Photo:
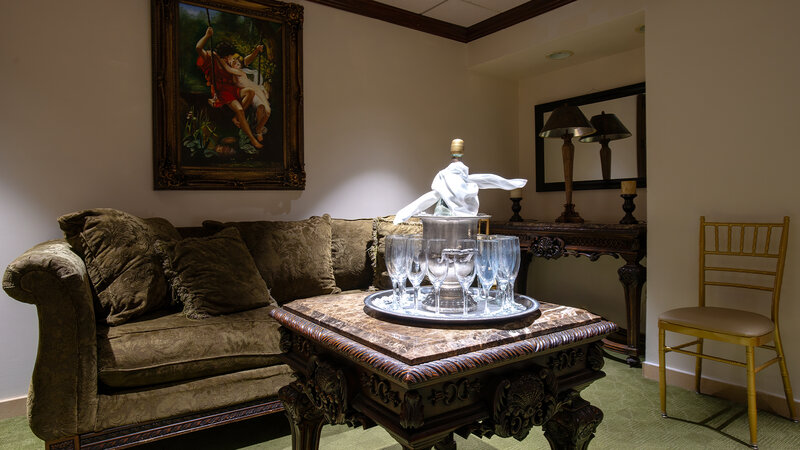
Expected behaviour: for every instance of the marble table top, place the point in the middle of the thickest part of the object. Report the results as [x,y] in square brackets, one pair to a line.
[344,314]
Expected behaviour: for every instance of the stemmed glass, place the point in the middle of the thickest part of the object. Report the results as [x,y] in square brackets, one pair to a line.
[486,264]
[437,265]
[396,265]
[464,265]
[507,267]
[417,265]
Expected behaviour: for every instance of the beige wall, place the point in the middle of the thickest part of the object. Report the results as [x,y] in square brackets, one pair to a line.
[382,103]
[722,106]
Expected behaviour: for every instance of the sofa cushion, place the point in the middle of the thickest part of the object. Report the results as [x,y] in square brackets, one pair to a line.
[294,258]
[213,275]
[169,347]
[383,227]
[351,242]
[118,249]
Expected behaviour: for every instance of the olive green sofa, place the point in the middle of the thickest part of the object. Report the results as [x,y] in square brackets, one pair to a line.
[101,383]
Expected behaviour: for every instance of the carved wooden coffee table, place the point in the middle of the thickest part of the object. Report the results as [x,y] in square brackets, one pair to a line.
[424,384]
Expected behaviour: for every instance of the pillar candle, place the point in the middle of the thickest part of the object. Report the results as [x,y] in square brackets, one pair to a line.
[629,187]
[516,193]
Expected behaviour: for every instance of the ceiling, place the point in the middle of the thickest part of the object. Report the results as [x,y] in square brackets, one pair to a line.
[464,13]
[468,20]
[460,20]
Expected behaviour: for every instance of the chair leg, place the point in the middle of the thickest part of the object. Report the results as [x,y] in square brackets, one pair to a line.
[662,373]
[751,396]
[698,366]
[787,385]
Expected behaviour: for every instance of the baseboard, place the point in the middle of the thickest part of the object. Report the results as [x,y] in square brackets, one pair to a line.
[12,407]
[766,402]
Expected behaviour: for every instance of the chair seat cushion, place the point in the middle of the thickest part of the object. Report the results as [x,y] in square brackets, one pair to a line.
[720,320]
[168,347]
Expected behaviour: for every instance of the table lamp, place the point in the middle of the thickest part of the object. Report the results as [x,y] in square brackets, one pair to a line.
[564,122]
[609,128]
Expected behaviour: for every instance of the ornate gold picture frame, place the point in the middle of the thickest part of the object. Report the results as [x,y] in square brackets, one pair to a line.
[227,94]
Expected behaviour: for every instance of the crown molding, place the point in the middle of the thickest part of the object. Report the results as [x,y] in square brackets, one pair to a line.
[397,16]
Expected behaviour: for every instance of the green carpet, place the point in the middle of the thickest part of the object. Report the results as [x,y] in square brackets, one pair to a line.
[629,402]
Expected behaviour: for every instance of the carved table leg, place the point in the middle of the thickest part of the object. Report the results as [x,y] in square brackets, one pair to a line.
[305,419]
[632,276]
[522,280]
[447,443]
[573,426]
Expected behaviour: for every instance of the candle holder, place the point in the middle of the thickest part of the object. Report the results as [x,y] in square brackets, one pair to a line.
[516,208]
[628,206]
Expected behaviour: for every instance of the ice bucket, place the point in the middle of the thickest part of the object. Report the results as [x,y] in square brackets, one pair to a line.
[451,229]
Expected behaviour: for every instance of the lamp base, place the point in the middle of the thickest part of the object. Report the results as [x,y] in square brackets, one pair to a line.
[569,215]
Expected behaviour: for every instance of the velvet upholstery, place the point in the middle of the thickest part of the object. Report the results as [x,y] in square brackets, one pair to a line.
[119,252]
[90,376]
[383,227]
[351,242]
[294,258]
[213,275]
[169,348]
[62,400]
[203,394]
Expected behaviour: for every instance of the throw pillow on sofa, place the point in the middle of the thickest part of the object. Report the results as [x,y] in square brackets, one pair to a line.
[118,249]
[213,275]
[383,227]
[294,258]
[351,244]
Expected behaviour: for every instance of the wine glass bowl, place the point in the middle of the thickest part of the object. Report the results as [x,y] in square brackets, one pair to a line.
[464,266]
[438,263]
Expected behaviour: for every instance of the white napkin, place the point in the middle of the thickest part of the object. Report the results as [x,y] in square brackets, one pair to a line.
[459,190]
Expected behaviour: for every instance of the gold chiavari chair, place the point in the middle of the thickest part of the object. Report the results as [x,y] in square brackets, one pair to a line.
[733,256]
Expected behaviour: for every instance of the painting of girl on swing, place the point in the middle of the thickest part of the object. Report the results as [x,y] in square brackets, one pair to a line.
[228,73]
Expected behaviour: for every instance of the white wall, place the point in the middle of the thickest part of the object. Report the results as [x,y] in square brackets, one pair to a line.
[722,107]
[382,103]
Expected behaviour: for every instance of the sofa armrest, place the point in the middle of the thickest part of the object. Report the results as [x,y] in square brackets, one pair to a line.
[62,400]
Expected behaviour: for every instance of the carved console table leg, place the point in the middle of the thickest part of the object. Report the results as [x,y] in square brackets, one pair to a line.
[522,279]
[633,275]
[305,419]
[573,426]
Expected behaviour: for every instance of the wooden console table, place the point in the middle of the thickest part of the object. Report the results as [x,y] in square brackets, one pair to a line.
[593,240]
[424,384]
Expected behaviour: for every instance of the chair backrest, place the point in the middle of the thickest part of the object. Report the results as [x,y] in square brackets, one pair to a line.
[754,251]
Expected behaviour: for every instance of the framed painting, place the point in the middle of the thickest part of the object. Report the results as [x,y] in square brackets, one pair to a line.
[227,94]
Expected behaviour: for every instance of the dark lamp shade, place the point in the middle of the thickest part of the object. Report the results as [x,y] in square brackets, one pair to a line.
[566,120]
[608,127]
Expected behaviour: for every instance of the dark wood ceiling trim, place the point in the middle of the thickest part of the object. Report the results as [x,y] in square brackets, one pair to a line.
[513,16]
[397,16]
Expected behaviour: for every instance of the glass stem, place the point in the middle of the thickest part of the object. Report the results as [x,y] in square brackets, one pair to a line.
[416,297]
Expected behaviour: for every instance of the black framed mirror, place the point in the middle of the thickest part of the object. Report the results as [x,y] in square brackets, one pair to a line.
[628,156]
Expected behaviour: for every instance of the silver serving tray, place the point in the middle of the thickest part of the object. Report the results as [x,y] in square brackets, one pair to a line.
[376,305]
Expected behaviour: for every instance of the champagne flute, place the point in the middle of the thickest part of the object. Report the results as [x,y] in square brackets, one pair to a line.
[437,264]
[513,247]
[396,265]
[464,265]
[486,262]
[508,251]
[417,265]
[504,268]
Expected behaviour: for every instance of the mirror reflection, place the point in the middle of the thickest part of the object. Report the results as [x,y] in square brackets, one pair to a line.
[627,155]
